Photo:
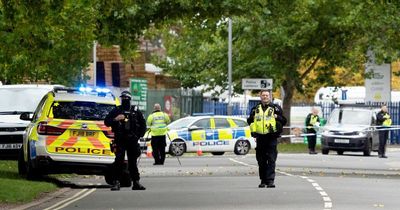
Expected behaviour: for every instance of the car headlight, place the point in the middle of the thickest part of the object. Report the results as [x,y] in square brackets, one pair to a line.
[326,132]
[362,133]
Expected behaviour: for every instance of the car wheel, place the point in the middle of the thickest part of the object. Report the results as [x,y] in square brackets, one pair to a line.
[325,151]
[340,152]
[177,148]
[242,147]
[217,153]
[32,173]
[21,162]
[368,148]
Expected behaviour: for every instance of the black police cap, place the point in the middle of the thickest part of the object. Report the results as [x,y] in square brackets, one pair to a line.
[126,93]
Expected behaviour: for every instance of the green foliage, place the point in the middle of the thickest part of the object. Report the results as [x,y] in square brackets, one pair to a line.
[51,40]
[45,40]
[287,40]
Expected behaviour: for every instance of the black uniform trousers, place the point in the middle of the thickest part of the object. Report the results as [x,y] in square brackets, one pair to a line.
[383,136]
[132,150]
[266,155]
[312,141]
[158,143]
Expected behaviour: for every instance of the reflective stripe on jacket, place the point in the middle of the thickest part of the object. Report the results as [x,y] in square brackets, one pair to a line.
[264,122]
[157,122]
[387,121]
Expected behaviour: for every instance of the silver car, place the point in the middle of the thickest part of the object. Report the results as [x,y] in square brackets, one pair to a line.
[350,129]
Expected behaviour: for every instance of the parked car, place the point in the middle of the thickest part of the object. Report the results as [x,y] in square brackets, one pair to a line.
[67,135]
[215,134]
[16,99]
[351,129]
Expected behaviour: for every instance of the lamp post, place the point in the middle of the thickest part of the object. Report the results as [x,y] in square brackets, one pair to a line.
[229,65]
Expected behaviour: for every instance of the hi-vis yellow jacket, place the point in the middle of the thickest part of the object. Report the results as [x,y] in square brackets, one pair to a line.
[157,122]
[264,122]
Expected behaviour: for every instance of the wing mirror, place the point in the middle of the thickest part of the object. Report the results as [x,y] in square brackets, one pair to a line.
[26,116]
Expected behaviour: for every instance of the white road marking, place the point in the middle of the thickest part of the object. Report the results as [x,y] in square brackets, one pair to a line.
[71,199]
[327,200]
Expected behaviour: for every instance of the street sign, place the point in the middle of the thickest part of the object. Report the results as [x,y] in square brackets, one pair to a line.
[257,84]
[138,88]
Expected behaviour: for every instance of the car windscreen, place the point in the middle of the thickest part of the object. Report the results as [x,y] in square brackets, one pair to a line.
[81,110]
[16,100]
[350,117]
[181,123]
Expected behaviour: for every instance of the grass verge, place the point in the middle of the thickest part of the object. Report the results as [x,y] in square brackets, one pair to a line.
[15,189]
[295,148]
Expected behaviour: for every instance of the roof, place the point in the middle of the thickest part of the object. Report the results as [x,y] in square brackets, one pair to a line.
[64,96]
[24,86]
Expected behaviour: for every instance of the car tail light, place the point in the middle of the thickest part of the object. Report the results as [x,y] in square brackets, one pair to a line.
[45,129]
[109,133]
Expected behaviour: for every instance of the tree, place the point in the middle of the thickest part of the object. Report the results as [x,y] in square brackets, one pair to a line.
[287,40]
[52,40]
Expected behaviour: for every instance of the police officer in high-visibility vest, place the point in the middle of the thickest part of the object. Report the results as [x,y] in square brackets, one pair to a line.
[266,121]
[157,122]
[383,119]
[312,120]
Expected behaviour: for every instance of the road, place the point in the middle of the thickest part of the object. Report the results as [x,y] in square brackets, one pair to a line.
[303,181]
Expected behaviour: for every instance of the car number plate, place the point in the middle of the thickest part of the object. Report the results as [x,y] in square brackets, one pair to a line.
[10,146]
[342,141]
[83,133]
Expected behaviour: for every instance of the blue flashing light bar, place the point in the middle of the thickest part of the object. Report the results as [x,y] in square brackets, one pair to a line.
[98,90]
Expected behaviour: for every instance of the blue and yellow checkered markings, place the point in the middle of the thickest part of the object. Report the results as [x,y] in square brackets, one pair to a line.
[211,134]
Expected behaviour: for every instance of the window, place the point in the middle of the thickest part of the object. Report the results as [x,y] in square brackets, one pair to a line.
[221,123]
[240,123]
[100,74]
[79,110]
[203,123]
[115,75]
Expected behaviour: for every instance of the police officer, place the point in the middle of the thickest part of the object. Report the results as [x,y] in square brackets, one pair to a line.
[383,119]
[266,121]
[312,120]
[157,122]
[128,125]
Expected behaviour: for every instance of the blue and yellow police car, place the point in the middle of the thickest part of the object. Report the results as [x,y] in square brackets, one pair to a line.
[214,134]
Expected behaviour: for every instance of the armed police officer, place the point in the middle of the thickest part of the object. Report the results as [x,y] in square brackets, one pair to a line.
[128,125]
[158,122]
[266,121]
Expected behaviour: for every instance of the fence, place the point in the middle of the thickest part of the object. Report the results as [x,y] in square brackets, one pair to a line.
[240,110]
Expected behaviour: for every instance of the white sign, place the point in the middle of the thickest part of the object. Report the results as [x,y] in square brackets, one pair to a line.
[256,84]
[377,86]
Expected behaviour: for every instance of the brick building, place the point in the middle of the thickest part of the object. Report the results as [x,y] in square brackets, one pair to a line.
[112,71]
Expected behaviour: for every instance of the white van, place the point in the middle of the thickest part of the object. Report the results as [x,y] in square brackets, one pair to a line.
[16,99]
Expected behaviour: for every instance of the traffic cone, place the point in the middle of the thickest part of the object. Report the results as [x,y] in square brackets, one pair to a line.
[149,151]
[199,151]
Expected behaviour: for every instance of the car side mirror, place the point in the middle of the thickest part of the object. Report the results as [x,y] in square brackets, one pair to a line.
[193,128]
[26,116]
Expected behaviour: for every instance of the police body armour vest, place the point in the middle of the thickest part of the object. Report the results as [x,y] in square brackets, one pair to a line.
[264,122]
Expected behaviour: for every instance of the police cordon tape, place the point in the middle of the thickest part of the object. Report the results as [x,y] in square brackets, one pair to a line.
[298,130]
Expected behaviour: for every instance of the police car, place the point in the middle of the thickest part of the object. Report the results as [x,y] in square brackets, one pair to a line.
[67,134]
[215,134]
